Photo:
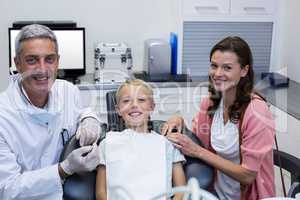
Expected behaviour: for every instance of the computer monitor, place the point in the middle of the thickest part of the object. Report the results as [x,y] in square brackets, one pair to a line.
[71,48]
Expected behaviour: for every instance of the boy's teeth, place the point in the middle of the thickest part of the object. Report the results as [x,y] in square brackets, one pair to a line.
[41,79]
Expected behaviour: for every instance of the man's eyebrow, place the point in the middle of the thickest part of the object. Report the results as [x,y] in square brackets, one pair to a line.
[34,55]
[31,56]
[52,54]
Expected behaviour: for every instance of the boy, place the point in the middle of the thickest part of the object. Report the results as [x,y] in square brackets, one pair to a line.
[137,164]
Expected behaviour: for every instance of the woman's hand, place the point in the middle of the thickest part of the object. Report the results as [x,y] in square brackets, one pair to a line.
[185,144]
[174,124]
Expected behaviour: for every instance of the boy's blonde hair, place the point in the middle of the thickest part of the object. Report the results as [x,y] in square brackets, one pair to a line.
[135,82]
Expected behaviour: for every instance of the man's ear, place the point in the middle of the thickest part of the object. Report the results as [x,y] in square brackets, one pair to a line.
[17,63]
[244,71]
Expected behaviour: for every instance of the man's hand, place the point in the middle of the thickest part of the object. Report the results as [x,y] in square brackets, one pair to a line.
[83,159]
[89,131]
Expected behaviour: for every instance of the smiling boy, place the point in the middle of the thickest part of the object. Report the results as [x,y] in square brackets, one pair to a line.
[137,163]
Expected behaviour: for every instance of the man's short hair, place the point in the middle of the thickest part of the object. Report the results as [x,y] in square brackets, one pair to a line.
[31,32]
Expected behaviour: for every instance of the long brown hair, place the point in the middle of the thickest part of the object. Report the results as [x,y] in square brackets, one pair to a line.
[245,86]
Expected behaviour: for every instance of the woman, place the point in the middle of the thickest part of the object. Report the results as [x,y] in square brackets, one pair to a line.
[235,124]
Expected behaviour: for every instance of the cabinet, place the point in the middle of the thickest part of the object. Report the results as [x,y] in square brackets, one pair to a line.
[287,131]
[205,22]
[253,7]
[228,8]
[204,7]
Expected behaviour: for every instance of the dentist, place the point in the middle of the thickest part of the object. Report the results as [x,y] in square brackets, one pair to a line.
[38,114]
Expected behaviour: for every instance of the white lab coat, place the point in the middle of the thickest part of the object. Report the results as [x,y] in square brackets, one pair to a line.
[31,141]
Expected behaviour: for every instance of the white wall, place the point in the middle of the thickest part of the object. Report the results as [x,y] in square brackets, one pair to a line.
[134,21]
[130,21]
[278,34]
[289,40]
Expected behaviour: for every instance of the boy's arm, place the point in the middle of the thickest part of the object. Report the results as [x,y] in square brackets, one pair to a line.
[178,178]
[101,183]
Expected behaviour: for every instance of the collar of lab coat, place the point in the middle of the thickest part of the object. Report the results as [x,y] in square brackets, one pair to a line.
[23,104]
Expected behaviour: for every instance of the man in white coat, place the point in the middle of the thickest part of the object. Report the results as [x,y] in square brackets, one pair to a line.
[37,115]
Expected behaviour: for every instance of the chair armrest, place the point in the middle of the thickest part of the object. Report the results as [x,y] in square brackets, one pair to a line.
[289,163]
[197,168]
[294,189]
[78,186]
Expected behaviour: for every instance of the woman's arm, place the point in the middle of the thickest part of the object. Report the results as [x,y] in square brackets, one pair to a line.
[178,178]
[235,171]
[101,183]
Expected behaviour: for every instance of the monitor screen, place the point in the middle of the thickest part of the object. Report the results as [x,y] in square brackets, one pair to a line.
[71,48]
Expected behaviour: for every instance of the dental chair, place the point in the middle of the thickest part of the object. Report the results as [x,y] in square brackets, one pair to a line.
[82,186]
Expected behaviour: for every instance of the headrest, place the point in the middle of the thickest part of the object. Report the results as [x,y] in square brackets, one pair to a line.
[115,122]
